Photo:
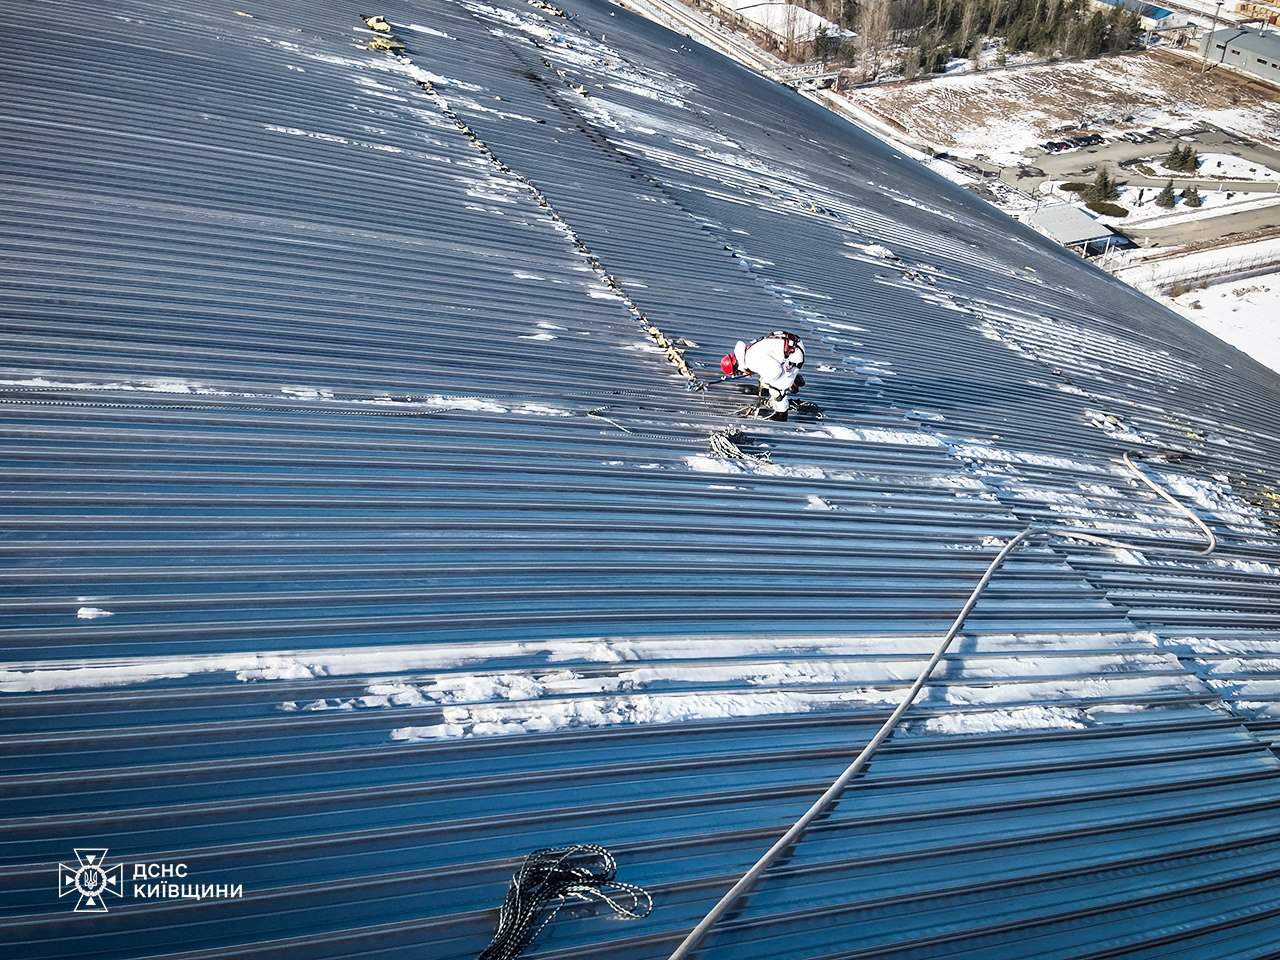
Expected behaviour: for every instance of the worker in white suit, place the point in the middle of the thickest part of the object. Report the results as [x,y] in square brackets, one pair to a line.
[776,359]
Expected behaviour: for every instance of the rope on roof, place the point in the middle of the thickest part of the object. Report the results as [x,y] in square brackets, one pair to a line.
[546,881]
[725,444]
[823,804]
[674,355]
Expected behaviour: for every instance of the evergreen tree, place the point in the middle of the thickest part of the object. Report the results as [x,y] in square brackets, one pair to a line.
[1103,188]
[1096,40]
[1184,159]
[1051,28]
[1165,198]
[1191,197]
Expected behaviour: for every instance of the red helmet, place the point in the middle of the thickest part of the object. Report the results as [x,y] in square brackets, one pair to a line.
[729,364]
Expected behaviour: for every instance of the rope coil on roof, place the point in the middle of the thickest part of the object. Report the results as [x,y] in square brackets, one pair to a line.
[725,444]
[549,879]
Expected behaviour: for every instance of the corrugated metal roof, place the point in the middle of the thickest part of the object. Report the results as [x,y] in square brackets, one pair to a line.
[1068,225]
[360,540]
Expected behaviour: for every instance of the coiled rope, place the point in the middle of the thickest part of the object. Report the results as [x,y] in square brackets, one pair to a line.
[724,444]
[833,792]
[550,878]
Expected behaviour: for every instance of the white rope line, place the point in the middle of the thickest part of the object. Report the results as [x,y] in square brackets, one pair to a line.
[833,792]
[600,416]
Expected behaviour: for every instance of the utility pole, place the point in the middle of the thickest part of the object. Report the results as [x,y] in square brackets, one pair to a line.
[1209,42]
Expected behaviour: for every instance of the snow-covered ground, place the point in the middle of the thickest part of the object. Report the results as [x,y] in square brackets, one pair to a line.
[787,21]
[1216,203]
[1244,313]
[1207,264]
[1006,114]
[950,171]
[1242,309]
[1222,166]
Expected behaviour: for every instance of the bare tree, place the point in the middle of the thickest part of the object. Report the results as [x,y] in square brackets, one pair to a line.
[873,30]
[790,17]
[969,20]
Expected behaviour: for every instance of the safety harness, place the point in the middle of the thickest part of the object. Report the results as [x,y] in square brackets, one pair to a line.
[790,344]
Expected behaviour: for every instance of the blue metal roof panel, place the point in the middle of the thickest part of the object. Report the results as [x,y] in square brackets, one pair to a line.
[361,540]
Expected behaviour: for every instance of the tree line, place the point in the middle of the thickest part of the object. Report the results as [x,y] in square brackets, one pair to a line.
[919,36]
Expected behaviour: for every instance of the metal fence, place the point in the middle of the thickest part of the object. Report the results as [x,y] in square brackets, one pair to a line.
[1165,276]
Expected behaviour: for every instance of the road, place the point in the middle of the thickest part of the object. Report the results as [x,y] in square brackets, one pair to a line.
[1211,228]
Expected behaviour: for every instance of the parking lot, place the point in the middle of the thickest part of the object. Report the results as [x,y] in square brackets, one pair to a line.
[1082,161]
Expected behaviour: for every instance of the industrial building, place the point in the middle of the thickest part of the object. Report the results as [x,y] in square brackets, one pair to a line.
[1150,16]
[1256,52]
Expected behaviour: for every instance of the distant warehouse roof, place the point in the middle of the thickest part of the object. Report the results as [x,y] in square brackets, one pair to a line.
[1069,225]
[1252,51]
[1148,10]
[1251,41]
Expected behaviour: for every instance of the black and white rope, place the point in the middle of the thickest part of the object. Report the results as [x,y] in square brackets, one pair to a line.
[548,880]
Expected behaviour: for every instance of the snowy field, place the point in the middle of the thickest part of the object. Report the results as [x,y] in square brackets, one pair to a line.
[1207,264]
[1005,115]
[1244,313]
[1233,292]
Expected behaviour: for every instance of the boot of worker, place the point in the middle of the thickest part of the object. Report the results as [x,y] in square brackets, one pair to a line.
[779,404]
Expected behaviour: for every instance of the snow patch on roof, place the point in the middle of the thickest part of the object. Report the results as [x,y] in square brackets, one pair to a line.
[911,438]
[999,721]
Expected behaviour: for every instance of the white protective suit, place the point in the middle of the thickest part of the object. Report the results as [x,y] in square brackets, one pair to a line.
[768,359]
